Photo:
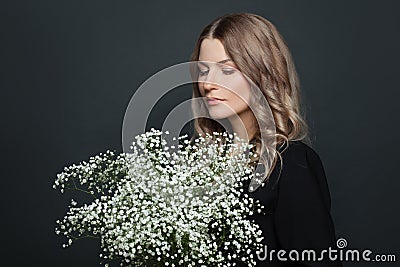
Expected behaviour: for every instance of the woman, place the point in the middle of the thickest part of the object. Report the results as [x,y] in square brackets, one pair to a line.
[296,195]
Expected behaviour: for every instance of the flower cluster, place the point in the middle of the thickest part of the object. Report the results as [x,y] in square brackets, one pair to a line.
[158,206]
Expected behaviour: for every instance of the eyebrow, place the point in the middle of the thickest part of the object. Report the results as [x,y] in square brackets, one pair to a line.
[222,61]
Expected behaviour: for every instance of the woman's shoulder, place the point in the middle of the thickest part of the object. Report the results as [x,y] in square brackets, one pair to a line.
[300,153]
[297,177]
[303,169]
[296,146]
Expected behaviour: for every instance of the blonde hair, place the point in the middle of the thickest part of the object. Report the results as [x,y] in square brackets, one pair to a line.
[261,53]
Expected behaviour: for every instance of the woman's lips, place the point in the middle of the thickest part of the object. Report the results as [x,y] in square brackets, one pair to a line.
[214,101]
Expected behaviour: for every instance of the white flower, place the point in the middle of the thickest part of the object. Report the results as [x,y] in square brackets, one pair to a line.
[167,208]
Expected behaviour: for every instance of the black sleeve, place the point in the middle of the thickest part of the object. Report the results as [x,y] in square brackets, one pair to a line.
[302,216]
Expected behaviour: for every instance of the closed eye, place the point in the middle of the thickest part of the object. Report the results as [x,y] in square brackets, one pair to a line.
[224,71]
[228,71]
[203,72]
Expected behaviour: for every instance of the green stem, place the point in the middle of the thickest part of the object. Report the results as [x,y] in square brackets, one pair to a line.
[80,237]
[79,189]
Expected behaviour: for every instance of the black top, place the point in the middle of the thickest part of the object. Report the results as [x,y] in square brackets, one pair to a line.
[297,209]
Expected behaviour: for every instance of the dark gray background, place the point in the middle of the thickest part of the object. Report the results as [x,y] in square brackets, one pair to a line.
[69,69]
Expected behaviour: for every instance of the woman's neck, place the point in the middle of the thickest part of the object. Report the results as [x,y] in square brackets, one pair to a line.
[244,125]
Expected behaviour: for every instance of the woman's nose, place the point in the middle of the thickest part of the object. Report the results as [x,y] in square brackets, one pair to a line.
[208,85]
[210,82]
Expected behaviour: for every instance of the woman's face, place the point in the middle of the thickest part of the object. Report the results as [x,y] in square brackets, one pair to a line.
[222,80]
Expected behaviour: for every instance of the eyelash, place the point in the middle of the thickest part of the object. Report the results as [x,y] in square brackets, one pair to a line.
[227,72]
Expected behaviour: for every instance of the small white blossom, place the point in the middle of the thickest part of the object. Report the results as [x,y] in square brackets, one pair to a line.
[162,207]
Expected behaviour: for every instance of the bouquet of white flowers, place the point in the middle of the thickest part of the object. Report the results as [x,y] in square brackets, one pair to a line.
[154,207]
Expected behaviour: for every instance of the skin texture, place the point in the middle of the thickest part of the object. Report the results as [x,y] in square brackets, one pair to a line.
[225,81]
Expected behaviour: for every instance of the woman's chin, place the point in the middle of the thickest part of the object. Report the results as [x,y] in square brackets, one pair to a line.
[219,115]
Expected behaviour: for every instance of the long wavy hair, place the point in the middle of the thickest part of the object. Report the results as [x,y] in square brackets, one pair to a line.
[261,53]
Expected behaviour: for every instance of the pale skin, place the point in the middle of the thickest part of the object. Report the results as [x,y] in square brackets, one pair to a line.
[215,83]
